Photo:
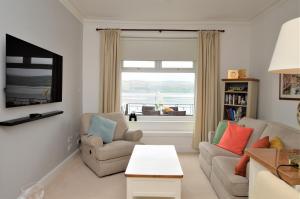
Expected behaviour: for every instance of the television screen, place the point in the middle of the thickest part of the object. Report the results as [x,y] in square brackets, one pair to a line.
[33,74]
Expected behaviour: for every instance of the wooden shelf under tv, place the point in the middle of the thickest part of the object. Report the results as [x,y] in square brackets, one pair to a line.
[26,119]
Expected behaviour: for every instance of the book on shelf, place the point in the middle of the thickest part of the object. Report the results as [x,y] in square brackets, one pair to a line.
[233,99]
[234,114]
[230,114]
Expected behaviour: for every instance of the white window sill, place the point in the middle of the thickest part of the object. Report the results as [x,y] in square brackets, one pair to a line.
[141,118]
[164,124]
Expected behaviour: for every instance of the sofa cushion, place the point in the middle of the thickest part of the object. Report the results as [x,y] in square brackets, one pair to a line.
[115,149]
[241,166]
[276,143]
[222,126]
[223,169]
[258,128]
[289,135]
[235,138]
[209,151]
[121,128]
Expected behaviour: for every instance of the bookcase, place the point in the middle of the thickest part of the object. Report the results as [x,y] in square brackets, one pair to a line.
[239,98]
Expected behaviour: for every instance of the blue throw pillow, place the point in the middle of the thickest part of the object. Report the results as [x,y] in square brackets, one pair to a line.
[103,128]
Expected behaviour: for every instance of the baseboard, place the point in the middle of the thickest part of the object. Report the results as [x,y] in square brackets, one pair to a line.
[49,176]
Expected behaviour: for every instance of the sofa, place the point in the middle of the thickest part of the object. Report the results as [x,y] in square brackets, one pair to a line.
[218,164]
[106,159]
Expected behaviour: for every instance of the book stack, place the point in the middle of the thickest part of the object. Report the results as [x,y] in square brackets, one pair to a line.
[235,99]
[234,114]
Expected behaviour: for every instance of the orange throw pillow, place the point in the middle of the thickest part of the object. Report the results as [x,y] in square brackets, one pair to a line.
[241,166]
[235,138]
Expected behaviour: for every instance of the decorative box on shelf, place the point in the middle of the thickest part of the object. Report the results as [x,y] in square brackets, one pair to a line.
[239,98]
[236,73]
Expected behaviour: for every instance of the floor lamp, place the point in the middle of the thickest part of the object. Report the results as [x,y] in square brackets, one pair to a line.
[286,56]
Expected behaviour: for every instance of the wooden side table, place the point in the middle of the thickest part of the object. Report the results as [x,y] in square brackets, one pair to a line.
[270,159]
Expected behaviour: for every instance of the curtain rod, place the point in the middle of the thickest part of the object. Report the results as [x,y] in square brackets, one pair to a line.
[162,30]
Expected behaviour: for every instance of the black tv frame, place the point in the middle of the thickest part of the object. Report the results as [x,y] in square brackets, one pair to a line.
[18,47]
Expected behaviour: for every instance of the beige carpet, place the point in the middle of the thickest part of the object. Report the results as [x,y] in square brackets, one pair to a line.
[76,181]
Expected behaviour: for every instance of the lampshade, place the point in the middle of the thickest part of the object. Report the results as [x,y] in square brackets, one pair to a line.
[286,56]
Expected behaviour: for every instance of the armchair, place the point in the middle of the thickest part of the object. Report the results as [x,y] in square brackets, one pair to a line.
[105,159]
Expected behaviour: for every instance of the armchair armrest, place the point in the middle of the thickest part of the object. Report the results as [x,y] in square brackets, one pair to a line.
[133,136]
[92,140]
[211,135]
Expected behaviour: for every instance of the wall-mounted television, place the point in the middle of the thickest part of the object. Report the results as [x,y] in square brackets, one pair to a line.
[33,74]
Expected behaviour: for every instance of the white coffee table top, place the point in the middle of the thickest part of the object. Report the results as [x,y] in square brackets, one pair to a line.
[154,161]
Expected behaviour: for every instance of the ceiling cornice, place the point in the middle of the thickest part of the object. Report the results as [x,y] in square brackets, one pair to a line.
[74,10]
[268,9]
[83,19]
[163,23]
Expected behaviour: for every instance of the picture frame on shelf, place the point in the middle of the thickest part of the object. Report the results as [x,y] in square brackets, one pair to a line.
[289,86]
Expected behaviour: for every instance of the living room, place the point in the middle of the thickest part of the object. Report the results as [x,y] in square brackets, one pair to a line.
[168,67]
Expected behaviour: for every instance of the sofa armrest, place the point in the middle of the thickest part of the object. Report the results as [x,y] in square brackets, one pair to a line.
[133,136]
[92,140]
[211,135]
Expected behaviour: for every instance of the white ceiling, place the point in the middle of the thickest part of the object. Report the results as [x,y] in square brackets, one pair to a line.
[172,10]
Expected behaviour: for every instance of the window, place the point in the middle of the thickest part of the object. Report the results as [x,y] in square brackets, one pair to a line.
[177,64]
[138,64]
[167,89]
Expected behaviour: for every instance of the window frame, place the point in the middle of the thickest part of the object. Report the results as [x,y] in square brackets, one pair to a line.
[158,67]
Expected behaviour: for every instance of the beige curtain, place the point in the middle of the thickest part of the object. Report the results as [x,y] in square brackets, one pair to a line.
[110,72]
[207,86]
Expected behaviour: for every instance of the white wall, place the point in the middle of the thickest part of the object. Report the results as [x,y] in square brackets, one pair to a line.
[29,151]
[264,33]
[235,50]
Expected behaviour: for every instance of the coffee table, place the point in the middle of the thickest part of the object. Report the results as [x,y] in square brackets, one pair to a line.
[154,171]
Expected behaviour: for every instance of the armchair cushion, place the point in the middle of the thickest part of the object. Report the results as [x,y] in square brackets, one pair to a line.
[114,150]
[85,123]
[92,140]
[103,128]
[133,136]
[122,126]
